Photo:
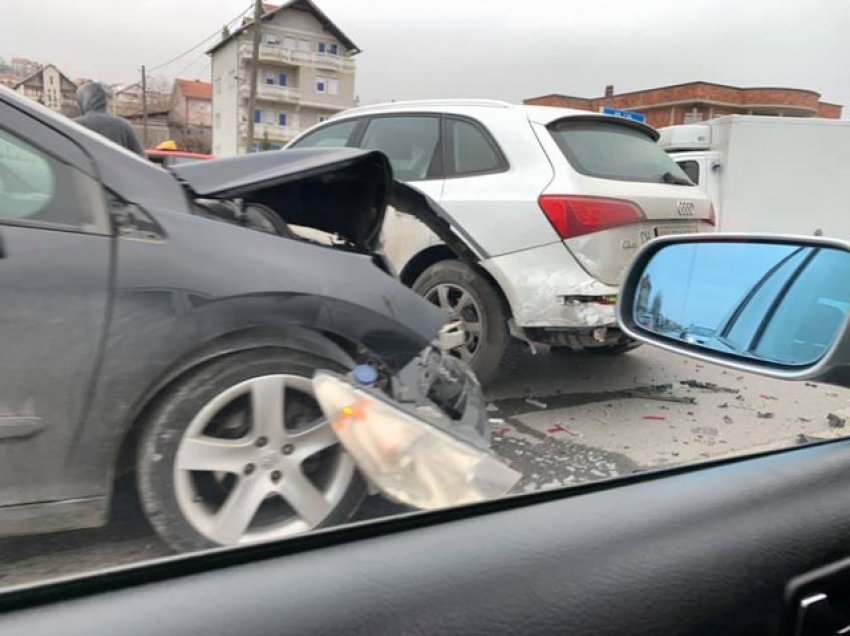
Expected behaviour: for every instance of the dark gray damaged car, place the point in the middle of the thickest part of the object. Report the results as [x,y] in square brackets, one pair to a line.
[145,311]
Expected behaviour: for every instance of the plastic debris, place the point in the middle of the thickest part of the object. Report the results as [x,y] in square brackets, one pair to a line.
[765,396]
[708,386]
[537,403]
[835,421]
[654,417]
[764,415]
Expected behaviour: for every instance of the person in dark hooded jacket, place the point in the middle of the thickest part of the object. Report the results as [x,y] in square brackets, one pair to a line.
[91,99]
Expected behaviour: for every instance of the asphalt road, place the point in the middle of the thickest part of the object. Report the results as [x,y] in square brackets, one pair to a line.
[560,420]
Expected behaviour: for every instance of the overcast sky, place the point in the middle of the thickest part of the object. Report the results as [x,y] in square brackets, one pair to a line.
[473,48]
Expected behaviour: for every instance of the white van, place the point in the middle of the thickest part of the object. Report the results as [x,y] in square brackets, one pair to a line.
[788,175]
[552,202]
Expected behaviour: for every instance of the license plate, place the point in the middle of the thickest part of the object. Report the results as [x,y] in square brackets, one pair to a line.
[670,230]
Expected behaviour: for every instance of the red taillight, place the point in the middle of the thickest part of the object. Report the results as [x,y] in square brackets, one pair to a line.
[575,216]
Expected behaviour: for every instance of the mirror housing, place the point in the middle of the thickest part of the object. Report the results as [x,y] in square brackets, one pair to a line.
[772,289]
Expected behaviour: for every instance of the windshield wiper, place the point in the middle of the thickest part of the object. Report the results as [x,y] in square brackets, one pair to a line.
[669,177]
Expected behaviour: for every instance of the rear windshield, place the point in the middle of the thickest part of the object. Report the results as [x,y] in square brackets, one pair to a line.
[614,151]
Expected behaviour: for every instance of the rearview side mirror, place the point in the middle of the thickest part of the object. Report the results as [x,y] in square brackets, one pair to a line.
[772,305]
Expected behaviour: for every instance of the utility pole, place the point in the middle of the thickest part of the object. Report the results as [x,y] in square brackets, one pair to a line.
[252,89]
[144,108]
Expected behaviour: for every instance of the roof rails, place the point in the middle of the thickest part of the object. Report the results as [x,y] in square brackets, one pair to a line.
[489,103]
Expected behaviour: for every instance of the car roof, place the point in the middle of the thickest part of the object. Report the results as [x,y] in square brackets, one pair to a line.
[544,115]
[538,114]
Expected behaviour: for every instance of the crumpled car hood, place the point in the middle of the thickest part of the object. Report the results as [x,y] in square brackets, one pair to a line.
[342,191]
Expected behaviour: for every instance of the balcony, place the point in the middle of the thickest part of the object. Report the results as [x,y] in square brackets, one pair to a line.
[273,92]
[275,132]
[269,53]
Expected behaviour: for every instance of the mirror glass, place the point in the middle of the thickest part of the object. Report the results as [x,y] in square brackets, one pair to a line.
[771,302]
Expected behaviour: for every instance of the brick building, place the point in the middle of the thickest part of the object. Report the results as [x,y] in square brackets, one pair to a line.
[698,101]
[190,118]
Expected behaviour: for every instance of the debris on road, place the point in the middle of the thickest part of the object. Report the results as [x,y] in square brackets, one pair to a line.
[835,421]
[557,428]
[765,396]
[537,403]
[654,417]
[764,415]
[831,394]
[725,405]
[708,386]
[707,431]
[803,419]
[646,395]
[727,419]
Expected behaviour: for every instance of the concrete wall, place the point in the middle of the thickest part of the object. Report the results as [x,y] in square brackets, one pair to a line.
[225,102]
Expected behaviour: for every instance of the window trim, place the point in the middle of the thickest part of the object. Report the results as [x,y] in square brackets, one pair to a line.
[101,224]
[354,136]
[448,157]
[436,167]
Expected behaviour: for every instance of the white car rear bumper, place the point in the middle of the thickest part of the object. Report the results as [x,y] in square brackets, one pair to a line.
[546,287]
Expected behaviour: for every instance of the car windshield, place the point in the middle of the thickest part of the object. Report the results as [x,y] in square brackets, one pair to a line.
[382,273]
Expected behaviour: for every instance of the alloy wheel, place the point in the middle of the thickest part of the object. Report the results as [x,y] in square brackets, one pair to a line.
[459,304]
[260,462]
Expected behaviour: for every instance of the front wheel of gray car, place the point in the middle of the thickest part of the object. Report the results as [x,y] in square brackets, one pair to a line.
[466,295]
[238,451]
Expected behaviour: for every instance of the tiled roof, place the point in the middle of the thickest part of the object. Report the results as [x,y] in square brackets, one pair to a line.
[195,89]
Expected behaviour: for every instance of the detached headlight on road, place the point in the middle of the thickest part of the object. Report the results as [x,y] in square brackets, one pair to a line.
[406,457]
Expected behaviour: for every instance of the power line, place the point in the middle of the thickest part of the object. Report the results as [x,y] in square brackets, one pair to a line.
[193,62]
[201,43]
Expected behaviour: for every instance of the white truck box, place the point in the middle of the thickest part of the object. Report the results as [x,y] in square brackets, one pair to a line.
[784,175]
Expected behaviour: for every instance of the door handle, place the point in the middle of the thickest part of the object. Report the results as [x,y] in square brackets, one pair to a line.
[819,601]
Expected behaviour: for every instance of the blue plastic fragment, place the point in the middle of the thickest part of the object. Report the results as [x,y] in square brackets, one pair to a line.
[365,374]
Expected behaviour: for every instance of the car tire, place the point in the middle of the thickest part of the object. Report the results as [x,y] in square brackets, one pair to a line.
[490,347]
[213,449]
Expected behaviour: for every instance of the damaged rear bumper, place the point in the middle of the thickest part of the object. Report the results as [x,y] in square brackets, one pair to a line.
[547,288]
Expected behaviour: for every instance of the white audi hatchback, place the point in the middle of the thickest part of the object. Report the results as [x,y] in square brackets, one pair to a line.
[553,203]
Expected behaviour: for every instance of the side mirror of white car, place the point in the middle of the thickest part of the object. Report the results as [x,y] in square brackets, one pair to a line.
[772,305]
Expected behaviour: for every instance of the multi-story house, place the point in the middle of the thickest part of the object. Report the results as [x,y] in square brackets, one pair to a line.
[49,86]
[305,74]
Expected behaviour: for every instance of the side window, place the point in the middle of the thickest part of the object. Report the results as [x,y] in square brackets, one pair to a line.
[690,168]
[37,190]
[328,136]
[410,142]
[471,152]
